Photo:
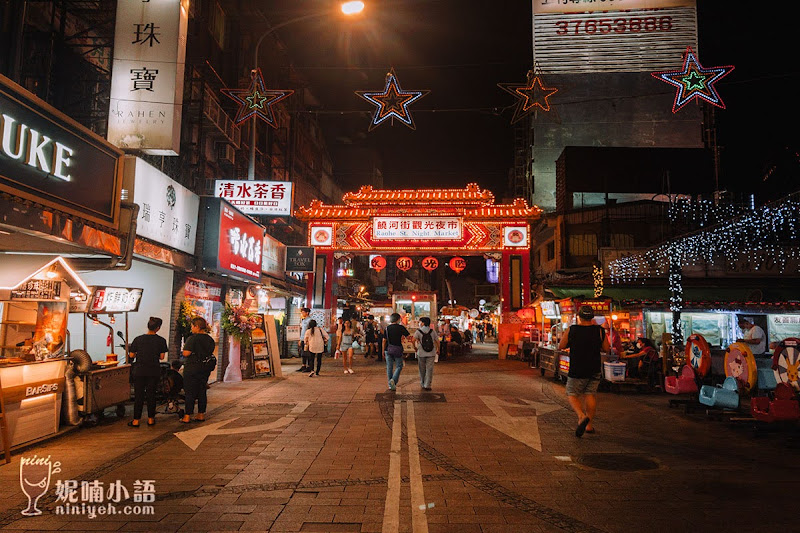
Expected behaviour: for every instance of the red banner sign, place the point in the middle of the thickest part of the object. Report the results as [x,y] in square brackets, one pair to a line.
[196,289]
[600,307]
[240,241]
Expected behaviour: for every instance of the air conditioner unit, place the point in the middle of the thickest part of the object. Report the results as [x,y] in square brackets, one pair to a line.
[226,154]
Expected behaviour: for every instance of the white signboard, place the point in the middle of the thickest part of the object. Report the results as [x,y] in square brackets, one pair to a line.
[257,197]
[515,236]
[147,75]
[115,300]
[577,6]
[417,228]
[167,210]
[273,257]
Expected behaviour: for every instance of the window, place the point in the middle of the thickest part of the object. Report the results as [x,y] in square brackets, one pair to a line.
[583,244]
[551,250]
[217,25]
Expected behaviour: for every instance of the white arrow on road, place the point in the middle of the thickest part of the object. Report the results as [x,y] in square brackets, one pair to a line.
[522,428]
[194,437]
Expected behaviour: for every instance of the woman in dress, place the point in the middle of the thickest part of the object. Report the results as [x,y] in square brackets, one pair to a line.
[197,348]
[346,346]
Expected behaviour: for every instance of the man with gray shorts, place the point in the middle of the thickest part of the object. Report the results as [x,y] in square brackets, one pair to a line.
[585,341]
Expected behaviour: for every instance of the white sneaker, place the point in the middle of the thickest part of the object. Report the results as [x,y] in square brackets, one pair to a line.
[311,375]
[345,371]
[350,370]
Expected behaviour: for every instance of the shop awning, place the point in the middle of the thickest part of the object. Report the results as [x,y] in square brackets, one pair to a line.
[739,294]
[17,269]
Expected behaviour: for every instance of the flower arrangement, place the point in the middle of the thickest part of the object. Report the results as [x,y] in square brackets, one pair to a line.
[239,323]
[185,316]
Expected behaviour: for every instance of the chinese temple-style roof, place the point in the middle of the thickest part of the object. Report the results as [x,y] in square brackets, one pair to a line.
[471,202]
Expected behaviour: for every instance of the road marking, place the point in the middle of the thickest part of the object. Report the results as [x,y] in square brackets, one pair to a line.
[522,428]
[193,438]
[419,519]
[391,510]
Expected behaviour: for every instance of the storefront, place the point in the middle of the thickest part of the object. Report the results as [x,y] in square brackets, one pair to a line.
[35,294]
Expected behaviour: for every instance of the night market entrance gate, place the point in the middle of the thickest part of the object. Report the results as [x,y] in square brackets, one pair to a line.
[416,224]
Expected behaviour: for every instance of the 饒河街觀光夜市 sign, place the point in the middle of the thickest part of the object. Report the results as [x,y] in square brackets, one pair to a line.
[232,244]
[48,158]
[257,197]
[417,228]
[167,210]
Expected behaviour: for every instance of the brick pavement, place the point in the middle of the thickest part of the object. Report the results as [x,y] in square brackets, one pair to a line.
[319,460]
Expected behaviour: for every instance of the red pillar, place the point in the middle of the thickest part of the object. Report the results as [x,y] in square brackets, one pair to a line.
[329,302]
[505,282]
[309,289]
[526,277]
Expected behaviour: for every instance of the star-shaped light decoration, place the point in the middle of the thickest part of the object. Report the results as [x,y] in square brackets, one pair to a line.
[694,81]
[392,103]
[256,100]
[530,95]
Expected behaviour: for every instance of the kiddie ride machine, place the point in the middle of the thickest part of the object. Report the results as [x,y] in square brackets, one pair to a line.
[772,383]
[94,386]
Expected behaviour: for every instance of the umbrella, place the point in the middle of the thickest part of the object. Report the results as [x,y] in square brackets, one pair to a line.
[454,310]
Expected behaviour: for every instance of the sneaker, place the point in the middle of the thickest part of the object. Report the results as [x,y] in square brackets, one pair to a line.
[392,384]
[311,375]
[345,371]
[350,370]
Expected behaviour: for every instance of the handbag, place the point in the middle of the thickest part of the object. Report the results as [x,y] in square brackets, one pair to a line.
[209,363]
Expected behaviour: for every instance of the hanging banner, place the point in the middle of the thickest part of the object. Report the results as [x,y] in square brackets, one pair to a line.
[147,75]
[196,289]
[167,210]
[272,198]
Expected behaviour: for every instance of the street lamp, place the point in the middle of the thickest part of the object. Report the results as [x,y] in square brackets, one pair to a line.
[349,9]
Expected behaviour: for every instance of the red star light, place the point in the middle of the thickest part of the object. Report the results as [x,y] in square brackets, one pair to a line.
[392,103]
[530,95]
[694,81]
[256,100]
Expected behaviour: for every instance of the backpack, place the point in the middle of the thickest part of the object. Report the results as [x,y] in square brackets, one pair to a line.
[427,341]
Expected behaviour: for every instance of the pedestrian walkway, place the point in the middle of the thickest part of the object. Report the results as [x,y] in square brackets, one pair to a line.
[490,449]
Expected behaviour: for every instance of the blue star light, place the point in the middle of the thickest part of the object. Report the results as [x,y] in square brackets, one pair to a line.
[392,103]
[694,81]
[256,100]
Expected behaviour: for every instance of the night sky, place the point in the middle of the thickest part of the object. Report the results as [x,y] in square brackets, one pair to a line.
[461,49]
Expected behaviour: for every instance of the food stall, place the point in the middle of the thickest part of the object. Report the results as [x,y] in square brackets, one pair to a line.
[412,306]
[35,292]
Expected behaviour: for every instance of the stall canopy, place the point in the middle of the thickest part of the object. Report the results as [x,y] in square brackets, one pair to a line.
[16,270]
[742,293]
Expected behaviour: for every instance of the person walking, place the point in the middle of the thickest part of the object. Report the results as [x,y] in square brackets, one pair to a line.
[197,349]
[336,328]
[370,338]
[425,340]
[146,351]
[314,341]
[305,355]
[346,346]
[585,341]
[395,332]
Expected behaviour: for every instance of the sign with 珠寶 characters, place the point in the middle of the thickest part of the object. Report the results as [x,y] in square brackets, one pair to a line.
[147,75]
[257,197]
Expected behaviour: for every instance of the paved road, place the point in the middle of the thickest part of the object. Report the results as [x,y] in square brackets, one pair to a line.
[490,449]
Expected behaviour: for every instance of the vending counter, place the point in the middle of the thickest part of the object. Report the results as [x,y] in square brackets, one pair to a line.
[32,395]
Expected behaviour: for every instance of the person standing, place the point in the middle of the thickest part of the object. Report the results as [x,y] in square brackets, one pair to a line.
[314,341]
[370,338]
[197,349]
[425,340]
[585,341]
[753,336]
[147,351]
[307,366]
[380,328]
[395,332]
[345,346]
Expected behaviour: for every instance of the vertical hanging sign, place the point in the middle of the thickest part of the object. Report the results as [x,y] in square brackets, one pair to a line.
[147,75]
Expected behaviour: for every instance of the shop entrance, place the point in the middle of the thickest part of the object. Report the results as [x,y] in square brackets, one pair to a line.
[411,228]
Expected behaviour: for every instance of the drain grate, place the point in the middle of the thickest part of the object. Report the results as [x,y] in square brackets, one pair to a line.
[429,397]
[617,462]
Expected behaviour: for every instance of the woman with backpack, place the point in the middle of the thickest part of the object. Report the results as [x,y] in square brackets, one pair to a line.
[198,351]
[314,341]
[425,341]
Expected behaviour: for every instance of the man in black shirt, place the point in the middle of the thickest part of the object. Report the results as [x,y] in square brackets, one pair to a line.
[585,341]
[395,332]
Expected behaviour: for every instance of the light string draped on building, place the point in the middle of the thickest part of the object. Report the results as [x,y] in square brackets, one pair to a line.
[703,212]
[770,231]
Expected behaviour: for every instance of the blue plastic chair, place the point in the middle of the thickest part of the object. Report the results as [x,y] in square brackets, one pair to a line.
[725,395]
[766,376]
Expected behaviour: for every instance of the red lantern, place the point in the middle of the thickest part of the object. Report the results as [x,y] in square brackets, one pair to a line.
[458,264]
[527,313]
[430,263]
[404,263]
[378,263]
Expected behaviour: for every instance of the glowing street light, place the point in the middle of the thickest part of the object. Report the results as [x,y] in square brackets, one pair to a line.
[352,8]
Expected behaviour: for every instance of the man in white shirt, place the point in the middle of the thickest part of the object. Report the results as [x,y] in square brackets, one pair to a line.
[753,335]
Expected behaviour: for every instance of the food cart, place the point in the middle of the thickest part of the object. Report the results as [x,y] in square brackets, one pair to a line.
[35,292]
[104,384]
[412,306]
